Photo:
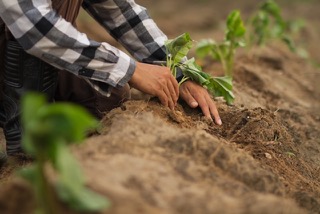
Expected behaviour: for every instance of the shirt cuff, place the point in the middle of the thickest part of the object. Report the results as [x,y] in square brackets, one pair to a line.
[125,64]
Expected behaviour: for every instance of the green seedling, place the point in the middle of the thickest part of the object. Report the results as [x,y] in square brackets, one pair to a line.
[268,24]
[48,131]
[290,154]
[177,50]
[225,51]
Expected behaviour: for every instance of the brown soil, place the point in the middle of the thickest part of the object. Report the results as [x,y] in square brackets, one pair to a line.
[264,159]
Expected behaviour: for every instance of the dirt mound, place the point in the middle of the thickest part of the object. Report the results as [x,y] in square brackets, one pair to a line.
[148,160]
[184,169]
[144,164]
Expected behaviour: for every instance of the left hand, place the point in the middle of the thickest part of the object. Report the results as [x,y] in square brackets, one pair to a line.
[195,95]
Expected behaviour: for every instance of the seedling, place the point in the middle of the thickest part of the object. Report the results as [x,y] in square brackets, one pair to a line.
[290,154]
[225,51]
[177,50]
[48,130]
[268,24]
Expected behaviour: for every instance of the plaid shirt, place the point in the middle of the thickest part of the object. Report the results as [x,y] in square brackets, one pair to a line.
[43,33]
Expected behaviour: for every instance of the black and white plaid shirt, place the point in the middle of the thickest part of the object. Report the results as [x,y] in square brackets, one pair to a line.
[43,33]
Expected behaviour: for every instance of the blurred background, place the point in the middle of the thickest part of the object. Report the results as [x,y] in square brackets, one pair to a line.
[206,19]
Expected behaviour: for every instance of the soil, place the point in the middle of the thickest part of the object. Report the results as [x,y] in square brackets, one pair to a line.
[263,159]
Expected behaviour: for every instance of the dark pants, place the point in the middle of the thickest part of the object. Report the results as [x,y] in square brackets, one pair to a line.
[24,73]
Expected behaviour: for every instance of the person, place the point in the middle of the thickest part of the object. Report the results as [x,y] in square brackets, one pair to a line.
[41,50]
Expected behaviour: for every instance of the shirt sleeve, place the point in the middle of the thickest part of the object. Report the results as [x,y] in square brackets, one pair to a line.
[130,24]
[44,34]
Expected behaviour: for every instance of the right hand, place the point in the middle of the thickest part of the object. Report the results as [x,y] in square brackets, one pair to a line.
[156,81]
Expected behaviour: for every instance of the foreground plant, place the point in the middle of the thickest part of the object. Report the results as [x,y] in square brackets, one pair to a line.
[225,51]
[48,130]
[177,50]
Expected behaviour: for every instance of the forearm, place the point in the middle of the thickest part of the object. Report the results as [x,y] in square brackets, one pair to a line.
[130,24]
[41,32]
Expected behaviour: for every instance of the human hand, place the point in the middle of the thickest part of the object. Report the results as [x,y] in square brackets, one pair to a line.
[195,95]
[156,81]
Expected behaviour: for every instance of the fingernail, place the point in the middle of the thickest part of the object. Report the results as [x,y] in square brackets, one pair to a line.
[219,122]
[193,104]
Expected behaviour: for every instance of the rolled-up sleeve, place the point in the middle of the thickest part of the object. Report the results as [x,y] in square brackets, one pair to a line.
[46,35]
[131,25]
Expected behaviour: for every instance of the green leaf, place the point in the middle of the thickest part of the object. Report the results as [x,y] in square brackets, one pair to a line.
[68,121]
[223,50]
[179,47]
[290,43]
[71,186]
[61,120]
[46,124]
[240,44]
[205,47]
[67,166]
[82,200]
[31,103]
[48,128]
[29,173]
[235,26]
[296,25]
[222,86]
[272,8]
[217,86]
[193,71]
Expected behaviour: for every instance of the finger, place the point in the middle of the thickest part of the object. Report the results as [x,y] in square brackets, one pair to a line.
[169,97]
[163,98]
[203,104]
[175,86]
[172,92]
[189,98]
[214,110]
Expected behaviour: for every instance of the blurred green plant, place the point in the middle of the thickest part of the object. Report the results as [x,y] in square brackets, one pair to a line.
[225,51]
[268,24]
[177,50]
[290,154]
[48,131]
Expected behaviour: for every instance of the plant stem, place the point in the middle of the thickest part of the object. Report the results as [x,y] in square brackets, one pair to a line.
[44,192]
[229,65]
[183,80]
[230,59]
[223,61]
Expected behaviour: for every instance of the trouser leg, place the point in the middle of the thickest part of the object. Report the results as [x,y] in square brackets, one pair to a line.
[2,45]
[2,114]
[74,89]
[23,73]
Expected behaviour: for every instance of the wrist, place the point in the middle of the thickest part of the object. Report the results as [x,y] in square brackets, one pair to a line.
[135,74]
